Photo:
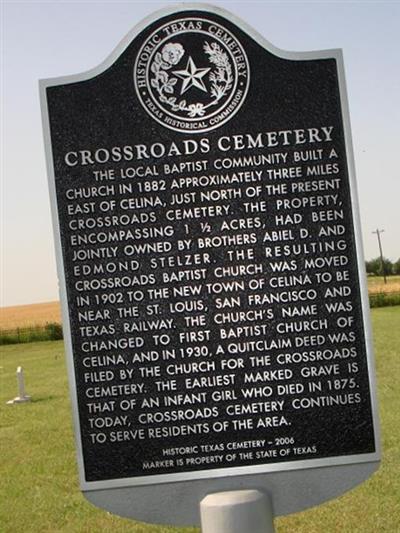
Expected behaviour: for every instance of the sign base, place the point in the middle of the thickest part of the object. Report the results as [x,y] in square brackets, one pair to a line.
[237,511]
[19,399]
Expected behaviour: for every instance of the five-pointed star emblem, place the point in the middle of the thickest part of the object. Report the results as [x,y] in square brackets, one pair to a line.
[192,76]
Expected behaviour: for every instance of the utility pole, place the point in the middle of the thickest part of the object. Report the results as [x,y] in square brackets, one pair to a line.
[378,233]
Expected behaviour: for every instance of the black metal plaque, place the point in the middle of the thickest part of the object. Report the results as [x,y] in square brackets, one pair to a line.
[209,258]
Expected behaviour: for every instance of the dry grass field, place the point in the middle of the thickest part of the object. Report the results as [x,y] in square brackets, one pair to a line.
[22,316]
[376,284]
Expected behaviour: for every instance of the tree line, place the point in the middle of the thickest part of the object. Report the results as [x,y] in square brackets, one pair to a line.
[375,267]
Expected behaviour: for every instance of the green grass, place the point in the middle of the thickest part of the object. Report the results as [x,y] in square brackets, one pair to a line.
[382,299]
[39,488]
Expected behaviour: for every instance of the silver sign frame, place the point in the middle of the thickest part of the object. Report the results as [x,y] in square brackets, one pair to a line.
[174,498]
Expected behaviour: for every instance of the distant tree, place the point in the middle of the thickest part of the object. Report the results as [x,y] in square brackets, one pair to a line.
[388,267]
[396,267]
[374,266]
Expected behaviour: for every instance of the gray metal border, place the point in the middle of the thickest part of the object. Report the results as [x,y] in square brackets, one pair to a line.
[275,475]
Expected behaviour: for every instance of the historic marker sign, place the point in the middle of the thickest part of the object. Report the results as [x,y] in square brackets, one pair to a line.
[209,257]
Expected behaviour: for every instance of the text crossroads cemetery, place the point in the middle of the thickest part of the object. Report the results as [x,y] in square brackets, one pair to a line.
[238,325]
[208,259]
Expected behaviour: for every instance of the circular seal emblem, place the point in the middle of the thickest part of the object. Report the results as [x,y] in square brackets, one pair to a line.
[191,75]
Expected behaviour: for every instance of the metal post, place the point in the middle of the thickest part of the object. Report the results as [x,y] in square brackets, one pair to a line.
[241,511]
[378,233]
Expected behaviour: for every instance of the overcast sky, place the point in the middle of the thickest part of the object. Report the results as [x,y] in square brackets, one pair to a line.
[49,39]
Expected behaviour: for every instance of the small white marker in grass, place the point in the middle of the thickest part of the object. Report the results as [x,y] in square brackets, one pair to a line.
[22,397]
